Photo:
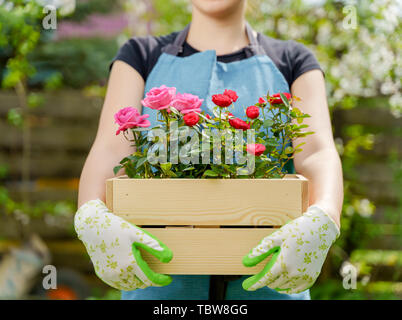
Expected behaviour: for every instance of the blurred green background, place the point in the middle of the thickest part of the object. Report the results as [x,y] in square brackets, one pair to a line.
[52,86]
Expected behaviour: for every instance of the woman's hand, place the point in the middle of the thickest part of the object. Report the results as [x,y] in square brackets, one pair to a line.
[298,251]
[112,244]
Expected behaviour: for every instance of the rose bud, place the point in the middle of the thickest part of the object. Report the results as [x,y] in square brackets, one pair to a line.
[276,98]
[252,112]
[191,119]
[221,100]
[239,124]
[231,94]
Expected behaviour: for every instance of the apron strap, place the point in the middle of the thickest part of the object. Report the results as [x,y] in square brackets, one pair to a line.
[254,48]
[177,46]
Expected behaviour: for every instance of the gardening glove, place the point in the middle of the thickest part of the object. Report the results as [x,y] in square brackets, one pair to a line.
[113,246]
[298,249]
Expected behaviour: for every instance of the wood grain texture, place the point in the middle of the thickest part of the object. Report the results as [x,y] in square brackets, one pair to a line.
[109,195]
[232,202]
[207,250]
[304,193]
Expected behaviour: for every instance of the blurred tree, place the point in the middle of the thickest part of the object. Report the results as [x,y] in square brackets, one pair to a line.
[21,33]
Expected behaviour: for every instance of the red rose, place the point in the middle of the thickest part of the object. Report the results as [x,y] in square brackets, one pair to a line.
[276,98]
[231,94]
[252,112]
[261,100]
[239,124]
[256,149]
[208,116]
[191,119]
[222,100]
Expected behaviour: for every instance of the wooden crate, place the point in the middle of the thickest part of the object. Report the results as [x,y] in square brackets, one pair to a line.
[209,224]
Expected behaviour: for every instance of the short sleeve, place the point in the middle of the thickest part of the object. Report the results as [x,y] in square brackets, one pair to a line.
[134,54]
[143,52]
[301,59]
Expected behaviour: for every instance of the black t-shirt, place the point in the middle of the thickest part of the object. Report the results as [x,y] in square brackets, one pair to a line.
[290,57]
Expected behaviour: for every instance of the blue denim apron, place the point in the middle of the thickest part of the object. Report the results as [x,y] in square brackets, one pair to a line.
[202,75]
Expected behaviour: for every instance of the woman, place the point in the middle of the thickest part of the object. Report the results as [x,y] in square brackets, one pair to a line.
[217,50]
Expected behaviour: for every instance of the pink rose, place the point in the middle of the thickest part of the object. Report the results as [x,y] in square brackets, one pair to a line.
[159,98]
[186,103]
[129,117]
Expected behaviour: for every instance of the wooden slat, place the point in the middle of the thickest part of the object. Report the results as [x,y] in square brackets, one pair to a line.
[46,164]
[304,193]
[207,250]
[109,195]
[51,134]
[65,104]
[270,202]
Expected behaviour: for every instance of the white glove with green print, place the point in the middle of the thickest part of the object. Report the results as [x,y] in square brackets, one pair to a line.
[112,244]
[298,251]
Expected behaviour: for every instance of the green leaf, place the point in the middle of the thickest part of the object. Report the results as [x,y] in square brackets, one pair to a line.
[272,142]
[140,162]
[285,100]
[116,169]
[14,117]
[289,150]
[170,173]
[35,99]
[189,169]
[300,144]
[210,173]
[166,166]
[230,168]
[268,123]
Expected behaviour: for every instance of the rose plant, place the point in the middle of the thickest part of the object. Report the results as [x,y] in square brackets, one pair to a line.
[189,143]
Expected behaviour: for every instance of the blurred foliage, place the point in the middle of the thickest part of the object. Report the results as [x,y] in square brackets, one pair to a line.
[21,34]
[109,295]
[79,61]
[85,8]
[333,290]
[38,210]
[165,16]
[359,62]
[32,56]
[391,258]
